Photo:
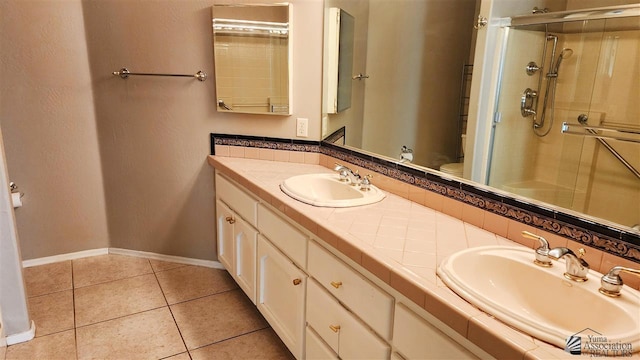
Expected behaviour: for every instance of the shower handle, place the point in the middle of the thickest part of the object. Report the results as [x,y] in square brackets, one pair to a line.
[527,102]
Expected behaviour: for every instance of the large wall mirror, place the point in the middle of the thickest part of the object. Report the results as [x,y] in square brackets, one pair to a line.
[418,58]
[252,58]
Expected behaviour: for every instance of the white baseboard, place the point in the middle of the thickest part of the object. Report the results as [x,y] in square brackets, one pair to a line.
[118,251]
[64,257]
[169,258]
[23,336]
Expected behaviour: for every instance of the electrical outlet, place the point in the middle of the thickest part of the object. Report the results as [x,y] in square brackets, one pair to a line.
[302,127]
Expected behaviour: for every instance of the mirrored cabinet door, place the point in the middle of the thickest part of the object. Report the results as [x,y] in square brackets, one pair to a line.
[252,58]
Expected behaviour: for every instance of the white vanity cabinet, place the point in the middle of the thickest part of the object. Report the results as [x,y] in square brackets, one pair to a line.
[320,305]
[281,295]
[315,348]
[283,235]
[415,338]
[237,237]
[369,302]
[225,220]
[340,329]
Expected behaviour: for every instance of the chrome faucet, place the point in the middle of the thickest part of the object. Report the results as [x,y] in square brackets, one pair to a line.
[577,268]
[542,251]
[347,174]
[365,184]
[611,283]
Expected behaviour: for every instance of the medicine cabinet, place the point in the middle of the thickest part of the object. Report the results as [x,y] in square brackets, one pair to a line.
[252,58]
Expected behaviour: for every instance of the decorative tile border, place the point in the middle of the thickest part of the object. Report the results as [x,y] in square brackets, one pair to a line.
[264,143]
[614,241]
[337,137]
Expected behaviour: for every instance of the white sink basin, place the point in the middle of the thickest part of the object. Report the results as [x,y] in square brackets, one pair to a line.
[327,190]
[504,282]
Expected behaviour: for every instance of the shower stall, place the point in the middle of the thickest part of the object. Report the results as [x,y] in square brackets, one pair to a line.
[567,126]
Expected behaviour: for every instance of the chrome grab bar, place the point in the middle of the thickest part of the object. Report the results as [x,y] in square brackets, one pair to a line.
[582,119]
[125,73]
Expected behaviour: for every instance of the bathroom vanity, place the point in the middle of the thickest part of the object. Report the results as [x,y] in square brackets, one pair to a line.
[327,294]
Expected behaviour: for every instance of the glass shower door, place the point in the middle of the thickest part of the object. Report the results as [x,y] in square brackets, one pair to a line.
[560,73]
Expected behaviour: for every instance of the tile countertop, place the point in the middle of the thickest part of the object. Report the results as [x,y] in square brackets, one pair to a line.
[401,242]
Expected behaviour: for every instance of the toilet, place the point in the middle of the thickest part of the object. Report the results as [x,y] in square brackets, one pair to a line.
[455,169]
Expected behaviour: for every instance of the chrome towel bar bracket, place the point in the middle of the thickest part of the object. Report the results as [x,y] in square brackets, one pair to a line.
[125,73]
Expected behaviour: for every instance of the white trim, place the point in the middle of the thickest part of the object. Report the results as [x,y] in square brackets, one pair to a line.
[23,336]
[170,258]
[127,252]
[64,257]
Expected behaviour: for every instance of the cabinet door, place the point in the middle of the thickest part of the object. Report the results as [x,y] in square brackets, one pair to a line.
[225,219]
[281,295]
[245,239]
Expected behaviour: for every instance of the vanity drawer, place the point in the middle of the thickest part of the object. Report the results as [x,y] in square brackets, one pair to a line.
[370,303]
[415,338]
[340,329]
[239,201]
[316,349]
[285,237]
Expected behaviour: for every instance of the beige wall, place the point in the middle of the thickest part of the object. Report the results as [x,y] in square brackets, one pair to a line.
[48,121]
[132,155]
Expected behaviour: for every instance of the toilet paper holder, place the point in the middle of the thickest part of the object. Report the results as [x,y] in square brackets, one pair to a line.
[14,189]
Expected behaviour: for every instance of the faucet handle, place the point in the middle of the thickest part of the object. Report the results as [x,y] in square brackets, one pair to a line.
[542,251]
[611,283]
[365,183]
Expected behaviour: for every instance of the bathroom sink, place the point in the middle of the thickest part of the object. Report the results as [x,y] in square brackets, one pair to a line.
[328,191]
[504,282]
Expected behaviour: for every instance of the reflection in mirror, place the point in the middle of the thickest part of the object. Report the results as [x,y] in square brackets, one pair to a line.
[252,58]
[411,55]
[339,60]
[596,73]
[588,75]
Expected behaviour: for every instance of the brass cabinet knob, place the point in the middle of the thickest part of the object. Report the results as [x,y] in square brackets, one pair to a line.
[336,284]
[230,219]
[334,328]
[297,281]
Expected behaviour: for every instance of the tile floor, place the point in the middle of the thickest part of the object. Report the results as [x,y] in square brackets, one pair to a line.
[121,307]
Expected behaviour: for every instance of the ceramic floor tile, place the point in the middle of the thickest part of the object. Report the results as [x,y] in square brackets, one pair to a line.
[263,344]
[232,313]
[183,356]
[52,313]
[56,346]
[147,335]
[118,298]
[159,265]
[191,282]
[103,268]
[46,279]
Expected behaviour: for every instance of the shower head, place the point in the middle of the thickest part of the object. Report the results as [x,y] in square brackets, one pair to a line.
[564,54]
